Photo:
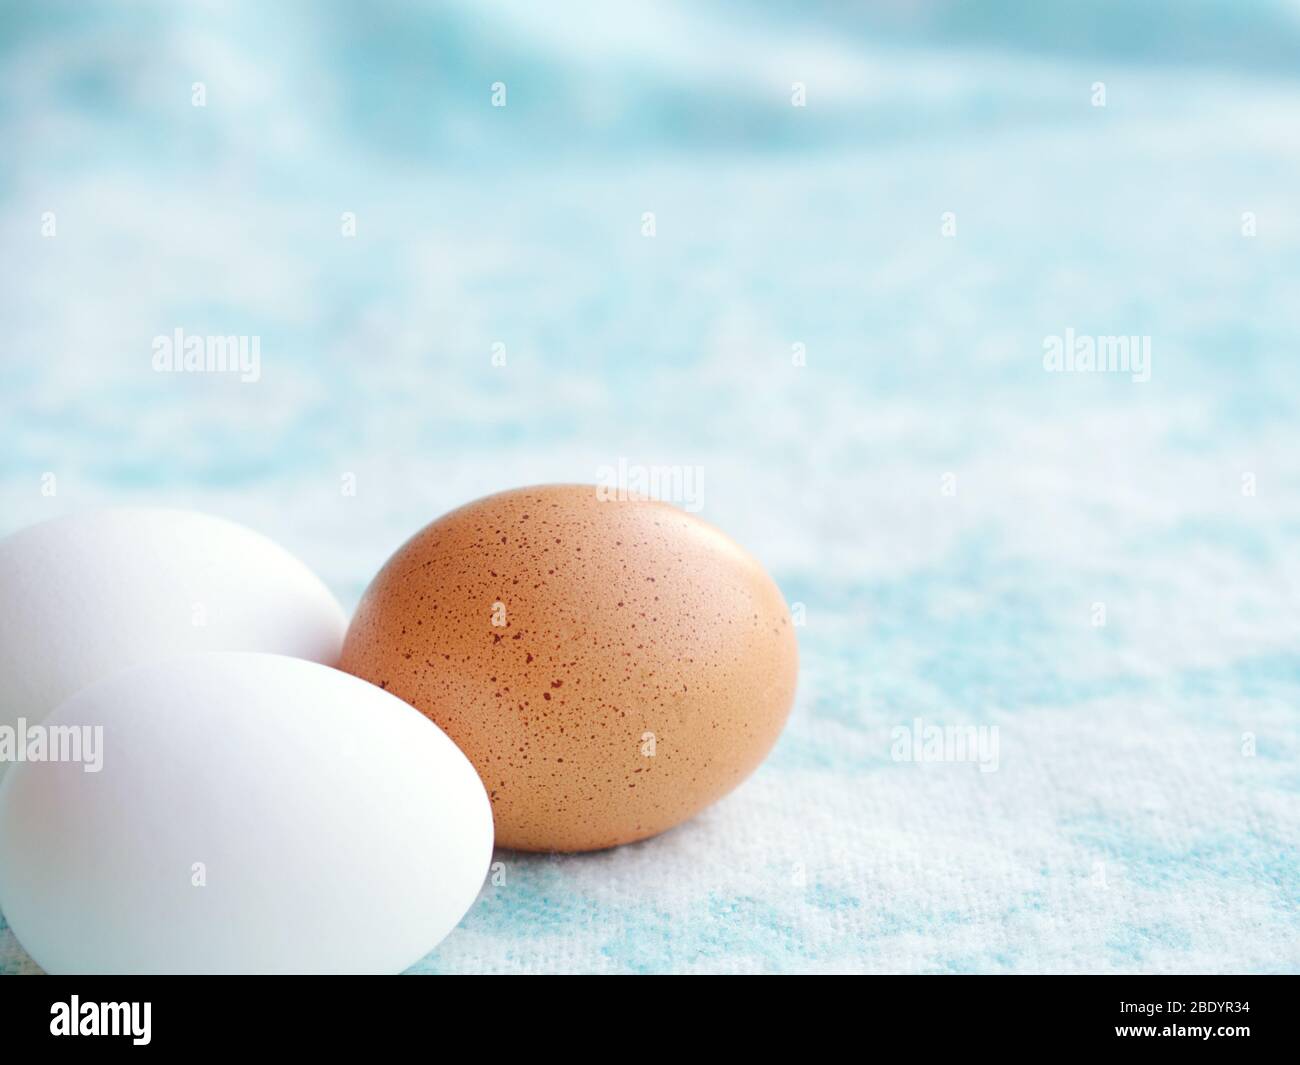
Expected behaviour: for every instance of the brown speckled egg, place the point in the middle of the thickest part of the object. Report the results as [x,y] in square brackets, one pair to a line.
[611,667]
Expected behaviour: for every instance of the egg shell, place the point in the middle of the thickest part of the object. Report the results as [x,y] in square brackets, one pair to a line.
[610,666]
[87,594]
[338,830]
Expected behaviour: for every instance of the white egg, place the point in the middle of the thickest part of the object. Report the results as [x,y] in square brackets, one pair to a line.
[251,813]
[84,595]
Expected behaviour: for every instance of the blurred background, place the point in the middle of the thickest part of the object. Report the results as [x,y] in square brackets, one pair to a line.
[814,253]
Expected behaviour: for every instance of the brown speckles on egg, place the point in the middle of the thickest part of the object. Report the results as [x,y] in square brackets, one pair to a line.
[630,625]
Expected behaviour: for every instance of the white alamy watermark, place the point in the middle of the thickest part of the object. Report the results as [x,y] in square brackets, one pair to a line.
[1085,353]
[920,742]
[53,743]
[683,485]
[179,352]
[102,1018]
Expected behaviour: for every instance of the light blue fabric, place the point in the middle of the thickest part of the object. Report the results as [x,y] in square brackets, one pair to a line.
[955,521]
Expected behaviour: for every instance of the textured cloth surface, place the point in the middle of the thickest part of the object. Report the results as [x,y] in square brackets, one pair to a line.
[1103,570]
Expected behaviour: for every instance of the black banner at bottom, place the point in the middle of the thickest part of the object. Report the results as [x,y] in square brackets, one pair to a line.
[1242,1015]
